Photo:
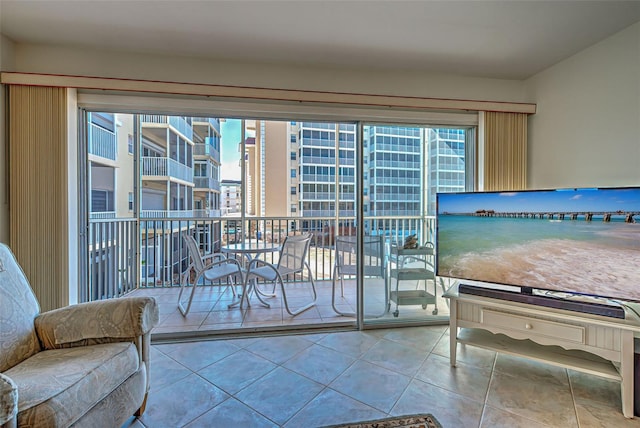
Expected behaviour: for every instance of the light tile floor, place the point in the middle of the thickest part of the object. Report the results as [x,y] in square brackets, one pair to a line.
[209,311]
[320,379]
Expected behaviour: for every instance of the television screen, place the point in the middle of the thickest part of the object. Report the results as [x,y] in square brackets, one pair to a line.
[584,241]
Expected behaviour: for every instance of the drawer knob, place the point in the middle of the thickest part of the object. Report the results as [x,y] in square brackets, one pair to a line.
[528,326]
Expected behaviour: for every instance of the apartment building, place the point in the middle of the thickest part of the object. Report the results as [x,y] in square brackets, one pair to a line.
[178,178]
[447,167]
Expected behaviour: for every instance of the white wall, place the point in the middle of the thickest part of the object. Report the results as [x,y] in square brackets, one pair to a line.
[586,131]
[7,62]
[88,62]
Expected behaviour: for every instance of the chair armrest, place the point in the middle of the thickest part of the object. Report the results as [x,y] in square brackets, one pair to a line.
[115,319]
[8,400]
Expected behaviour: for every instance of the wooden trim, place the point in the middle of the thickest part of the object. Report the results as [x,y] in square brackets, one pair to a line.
[256,93]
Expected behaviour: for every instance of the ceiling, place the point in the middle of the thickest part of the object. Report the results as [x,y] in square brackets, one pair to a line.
[501,39]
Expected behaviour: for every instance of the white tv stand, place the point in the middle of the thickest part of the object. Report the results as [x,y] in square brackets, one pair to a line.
[594,344]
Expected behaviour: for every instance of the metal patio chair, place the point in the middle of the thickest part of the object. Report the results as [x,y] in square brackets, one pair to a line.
[292,260]
[212,267]
[345,264]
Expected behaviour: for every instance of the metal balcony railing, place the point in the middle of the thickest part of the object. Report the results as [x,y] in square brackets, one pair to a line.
[206,183]
[206,213]
[206,150]
[161,258]
[212,121]
[102,143]
[102,215]
[179,123]
[165,167]
[166,214]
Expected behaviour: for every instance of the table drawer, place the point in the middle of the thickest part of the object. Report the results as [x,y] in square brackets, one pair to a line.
[534,326]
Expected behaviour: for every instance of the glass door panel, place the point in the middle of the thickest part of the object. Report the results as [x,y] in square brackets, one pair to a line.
[404,168]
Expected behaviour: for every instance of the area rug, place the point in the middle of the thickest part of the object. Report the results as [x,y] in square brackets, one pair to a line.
[425,420]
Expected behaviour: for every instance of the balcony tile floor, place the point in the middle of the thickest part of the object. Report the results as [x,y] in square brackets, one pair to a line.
[209,311]
[311,380]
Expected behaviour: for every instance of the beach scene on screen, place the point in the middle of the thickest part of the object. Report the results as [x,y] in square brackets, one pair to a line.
[584,241]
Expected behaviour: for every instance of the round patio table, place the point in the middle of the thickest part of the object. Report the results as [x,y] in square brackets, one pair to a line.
[250,250]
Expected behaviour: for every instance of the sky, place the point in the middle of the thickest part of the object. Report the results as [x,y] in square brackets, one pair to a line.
[570,200]
[229,152]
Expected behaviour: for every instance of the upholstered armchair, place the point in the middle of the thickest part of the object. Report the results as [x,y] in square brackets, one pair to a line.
[82,365]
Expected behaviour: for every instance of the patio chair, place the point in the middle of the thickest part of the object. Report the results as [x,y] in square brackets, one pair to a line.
[212,267]
[345,264]
[292,260]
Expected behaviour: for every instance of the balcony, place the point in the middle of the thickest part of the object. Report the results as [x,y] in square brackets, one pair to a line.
[169,214]
[166,168]
[206,150]
[179,123]
[102,143]
[206,213]
[102,215]
[211,121]
[163,261]
[206,183]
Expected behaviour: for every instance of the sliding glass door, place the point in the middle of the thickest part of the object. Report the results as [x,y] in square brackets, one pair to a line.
[403,169]
[364,191]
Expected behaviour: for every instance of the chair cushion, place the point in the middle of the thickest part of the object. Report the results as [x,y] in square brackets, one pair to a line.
[57,387]
[18,308]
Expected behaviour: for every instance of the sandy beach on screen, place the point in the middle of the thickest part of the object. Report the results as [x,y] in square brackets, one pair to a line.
[558,264]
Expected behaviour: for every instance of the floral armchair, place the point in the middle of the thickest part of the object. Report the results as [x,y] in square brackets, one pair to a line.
[82,365]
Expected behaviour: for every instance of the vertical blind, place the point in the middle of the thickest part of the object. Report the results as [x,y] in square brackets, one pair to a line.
[38,219]
[505,151]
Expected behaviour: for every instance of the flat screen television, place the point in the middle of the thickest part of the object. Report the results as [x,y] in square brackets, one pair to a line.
[563,242]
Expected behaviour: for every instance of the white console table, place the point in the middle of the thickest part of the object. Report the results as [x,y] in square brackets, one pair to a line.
[594,344]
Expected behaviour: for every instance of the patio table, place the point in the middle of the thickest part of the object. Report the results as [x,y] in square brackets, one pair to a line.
[250,250]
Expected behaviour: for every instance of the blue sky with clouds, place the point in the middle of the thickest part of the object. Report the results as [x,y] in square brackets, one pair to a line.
[606,199]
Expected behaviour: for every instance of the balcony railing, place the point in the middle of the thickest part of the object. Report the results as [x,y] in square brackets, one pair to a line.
[163,258]
[206,213]
[213,122]
[165,167]
[179,123]
[206,183]
[102,215]
[102,143]
[167,214]
[111,262]
[206,150]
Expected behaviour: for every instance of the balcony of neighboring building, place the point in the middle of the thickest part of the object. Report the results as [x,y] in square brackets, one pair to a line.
[206,122]
[102,142]
[169,214]
[206,183]
[210,148]
[206,212]
[180,124]
[165,169]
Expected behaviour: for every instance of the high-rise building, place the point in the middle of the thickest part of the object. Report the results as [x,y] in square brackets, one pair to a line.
[231,197]
[319,144]
[394,156]
[446,163]
[179,178]
[291,169]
